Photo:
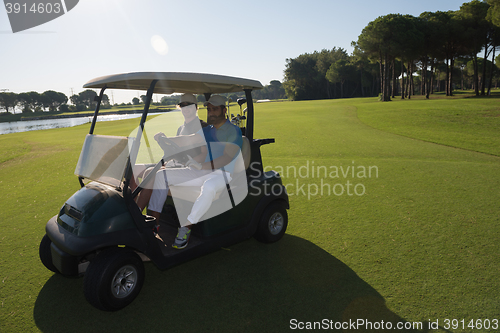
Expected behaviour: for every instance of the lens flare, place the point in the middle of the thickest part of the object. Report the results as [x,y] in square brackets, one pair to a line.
[159,45]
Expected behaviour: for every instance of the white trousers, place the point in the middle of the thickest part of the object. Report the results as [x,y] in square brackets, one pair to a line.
[210,182]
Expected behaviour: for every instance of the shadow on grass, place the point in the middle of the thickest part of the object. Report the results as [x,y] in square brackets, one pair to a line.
[251,287]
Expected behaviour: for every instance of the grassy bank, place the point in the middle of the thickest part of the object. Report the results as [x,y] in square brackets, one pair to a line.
[413,240]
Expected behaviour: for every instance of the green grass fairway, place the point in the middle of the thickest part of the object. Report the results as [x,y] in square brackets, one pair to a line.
[388,222]
[469,123]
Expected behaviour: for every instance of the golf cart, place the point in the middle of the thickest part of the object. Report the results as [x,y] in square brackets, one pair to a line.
[100,232]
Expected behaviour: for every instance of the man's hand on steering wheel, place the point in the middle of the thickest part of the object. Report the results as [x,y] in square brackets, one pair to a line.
[168,145]
[159,135]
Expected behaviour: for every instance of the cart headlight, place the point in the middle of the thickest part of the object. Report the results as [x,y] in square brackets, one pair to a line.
[70,218]
[73,212]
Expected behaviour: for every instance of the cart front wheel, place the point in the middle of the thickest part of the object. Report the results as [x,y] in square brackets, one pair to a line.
[113,279]
[46,254]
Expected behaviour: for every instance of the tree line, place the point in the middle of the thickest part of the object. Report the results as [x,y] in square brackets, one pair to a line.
[274,90]
[440,47]
[56,101]
[32,101]
[50,100]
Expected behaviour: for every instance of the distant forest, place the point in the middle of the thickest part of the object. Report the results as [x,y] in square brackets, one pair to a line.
[403,55]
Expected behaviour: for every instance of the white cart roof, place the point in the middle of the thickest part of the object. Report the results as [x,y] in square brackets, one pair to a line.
[175,82]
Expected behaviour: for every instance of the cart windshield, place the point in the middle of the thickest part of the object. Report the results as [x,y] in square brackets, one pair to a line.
[104,158]
[169,123]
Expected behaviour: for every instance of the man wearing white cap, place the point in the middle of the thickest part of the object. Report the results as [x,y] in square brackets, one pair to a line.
[212,172]
[189,107]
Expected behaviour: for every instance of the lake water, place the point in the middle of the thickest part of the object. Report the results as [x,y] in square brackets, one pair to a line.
[34,125]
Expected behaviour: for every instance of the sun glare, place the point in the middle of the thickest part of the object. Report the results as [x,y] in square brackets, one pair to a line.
[159,44]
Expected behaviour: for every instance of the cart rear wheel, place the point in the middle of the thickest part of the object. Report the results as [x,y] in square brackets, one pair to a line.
[113,279]
[273,223]
[46,254]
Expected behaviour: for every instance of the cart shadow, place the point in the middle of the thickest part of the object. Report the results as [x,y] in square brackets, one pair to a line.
[249,287]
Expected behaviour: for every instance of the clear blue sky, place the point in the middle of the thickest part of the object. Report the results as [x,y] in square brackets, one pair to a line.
[249,39]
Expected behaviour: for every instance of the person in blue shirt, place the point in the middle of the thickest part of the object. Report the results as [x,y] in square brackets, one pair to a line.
[211,169]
